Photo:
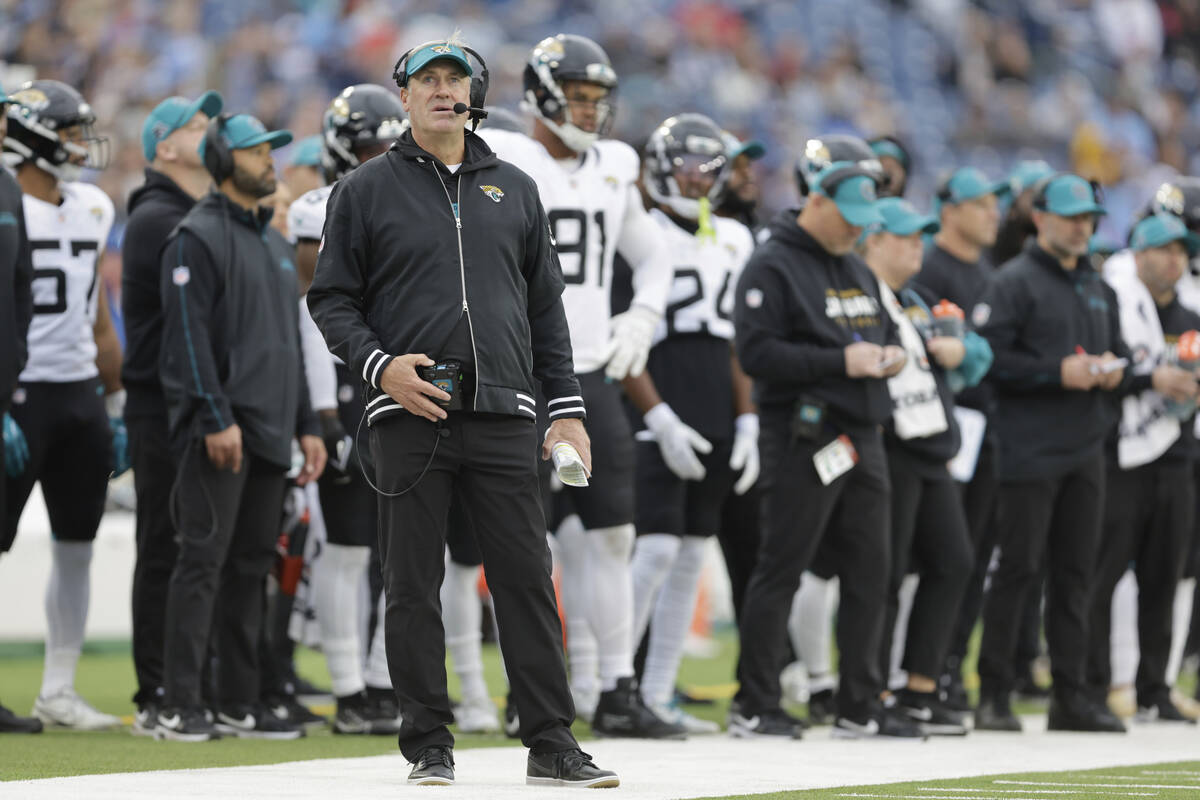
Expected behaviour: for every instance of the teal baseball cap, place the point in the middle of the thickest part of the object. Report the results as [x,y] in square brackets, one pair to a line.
[3,95]
[853,193]
[734,147]
[1068,196]
[1025,174]
[903,219]
[172,114]
[307,152]
[967,183]
[242,130]
[1157,230]
[423,55]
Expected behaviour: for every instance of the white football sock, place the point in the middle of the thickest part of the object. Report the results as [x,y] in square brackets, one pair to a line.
[811,623]
[653,556]
[462,616]
[67,594]
[673,612]
[1180,623]
[376,673]
[897,677]
[571,550]
[1124,649]
[337,582]
[610,607]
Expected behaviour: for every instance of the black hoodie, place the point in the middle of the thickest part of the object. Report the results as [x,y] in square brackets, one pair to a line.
[798,307]
[16,294]
[155,208]
[408,254]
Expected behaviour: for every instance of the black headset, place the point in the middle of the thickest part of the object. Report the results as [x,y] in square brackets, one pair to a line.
[479,83]
[944,193]
[1041,188]
[218,156]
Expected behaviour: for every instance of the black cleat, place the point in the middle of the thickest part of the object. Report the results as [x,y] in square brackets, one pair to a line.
[185,725]
[11,723]
[512,722]
[358,714]
[1162,710]
[289,709]
[621,712]
[994,713]
[433,767]
[774,724]
[930,713]
[822,707]
[568,768]
[1075,712]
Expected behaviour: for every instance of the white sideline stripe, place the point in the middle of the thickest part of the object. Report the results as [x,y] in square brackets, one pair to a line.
[1036,791]
[711,766]
[1099,785]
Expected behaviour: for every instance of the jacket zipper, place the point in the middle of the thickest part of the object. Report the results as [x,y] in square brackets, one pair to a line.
[455,208]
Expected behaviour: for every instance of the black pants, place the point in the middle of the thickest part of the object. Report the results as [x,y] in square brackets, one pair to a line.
[228,523]
[488,462]
[930,529]
[851,515]
[741,516]
[1058,518]
[1148,521]
[153,477]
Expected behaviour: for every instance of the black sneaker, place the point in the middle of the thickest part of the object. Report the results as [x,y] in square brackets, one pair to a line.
[185,725]
[778,724]
[822,707]
[289,709]
[1074,711]
[358,714]
[11,723]
[385,703]
[433,767]
[1162,710]
[928,711]
[1027,688]
[145,719]
[250,722]
[512,722]
[883,722]
[994,713]
[621,712]
[568,768]
[954,691]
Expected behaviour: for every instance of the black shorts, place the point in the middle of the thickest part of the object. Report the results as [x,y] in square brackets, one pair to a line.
[349,507]
[608,498]
[667,503]
[70,454]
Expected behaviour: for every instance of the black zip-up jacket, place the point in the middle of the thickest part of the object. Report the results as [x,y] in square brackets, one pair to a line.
[1034,314]
[231,336]
[16,294]
[155,208]
[797,309]
[398,269]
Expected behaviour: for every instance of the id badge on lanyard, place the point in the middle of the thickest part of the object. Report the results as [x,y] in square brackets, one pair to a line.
[835,459]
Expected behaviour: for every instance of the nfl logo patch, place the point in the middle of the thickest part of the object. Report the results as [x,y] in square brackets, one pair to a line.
[180,276]
[754,298]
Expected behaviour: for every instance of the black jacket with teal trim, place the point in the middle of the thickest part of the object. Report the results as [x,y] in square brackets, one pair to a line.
[16,293]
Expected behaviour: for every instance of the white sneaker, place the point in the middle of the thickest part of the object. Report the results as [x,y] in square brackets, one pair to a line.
[677,716]
[477,716]
[66,709]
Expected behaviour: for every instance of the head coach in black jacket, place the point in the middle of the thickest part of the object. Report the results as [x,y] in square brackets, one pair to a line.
[811,333]
[1055,331]
[236,396]
[437,255]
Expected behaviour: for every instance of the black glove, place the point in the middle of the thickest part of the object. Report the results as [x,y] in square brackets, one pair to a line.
[339,446]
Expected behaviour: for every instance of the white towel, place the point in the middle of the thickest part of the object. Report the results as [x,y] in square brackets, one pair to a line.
[917,407]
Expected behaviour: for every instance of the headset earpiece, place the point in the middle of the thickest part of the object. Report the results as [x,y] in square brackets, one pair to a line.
[479,83]
[218,158]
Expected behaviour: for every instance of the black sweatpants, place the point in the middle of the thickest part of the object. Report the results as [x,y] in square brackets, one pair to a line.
[153,477]
[741,518]
[1148,520]
[930,529]
[488,462]
[851,515]
[1058,518]
[228,523]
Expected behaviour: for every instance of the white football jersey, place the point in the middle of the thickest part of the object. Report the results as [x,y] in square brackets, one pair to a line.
[66,242]
[594,209]
[306,215]
[705,273]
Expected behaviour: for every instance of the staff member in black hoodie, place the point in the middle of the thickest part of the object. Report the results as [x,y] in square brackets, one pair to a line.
[175,180]
[812,335]
[236,395]
[1055,332]
[438,252]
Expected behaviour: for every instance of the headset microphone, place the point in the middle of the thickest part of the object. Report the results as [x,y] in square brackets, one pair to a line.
[476,113]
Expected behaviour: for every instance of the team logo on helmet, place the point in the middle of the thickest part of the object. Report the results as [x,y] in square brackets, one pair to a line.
[815,150]
[548,50]
[340,110]
[493,192]
[33,99]
[1169,197]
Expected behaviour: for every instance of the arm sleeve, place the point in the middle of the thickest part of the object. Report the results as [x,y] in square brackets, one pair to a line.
[190,287]
[976,362]
[761,323]
[641,244]
[338,293]
[1012,368]
[549,337]
[23,290]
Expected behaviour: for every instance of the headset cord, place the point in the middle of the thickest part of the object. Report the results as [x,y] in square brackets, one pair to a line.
[173,505]
[441,434]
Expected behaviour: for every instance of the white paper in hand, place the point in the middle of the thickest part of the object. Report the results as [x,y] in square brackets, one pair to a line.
[568,464]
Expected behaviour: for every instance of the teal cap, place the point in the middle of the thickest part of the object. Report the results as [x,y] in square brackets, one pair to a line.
[887,147]
[903,219]
[854,196]
[1157,230]
[3,95]
[1069,196]
[307,152]
[172,114]
[967,183]
[242,131]
[734,147]
[426,53]
[1026,173]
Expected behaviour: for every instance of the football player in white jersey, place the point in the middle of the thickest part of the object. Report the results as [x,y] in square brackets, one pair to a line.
[73,371]
[360,123]
[588,188]
[699,429]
